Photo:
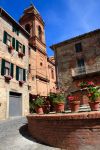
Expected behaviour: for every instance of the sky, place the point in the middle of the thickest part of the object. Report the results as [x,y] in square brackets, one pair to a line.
[63,19]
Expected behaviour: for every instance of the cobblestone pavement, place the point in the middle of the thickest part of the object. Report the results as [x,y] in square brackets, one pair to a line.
[13,136]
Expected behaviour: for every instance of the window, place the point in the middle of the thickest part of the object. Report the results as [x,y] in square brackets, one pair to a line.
[29,51]
[52,74]
[27,28]
[81,65]
[20,74]
[39,33]
[29,87]
[7,68]
[80,62]
[33,78]
[16,30]
[20,47]
[41,64]
[29,68]
[78,47]
[7,39]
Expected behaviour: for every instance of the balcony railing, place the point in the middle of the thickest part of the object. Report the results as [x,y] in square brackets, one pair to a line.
[85,70]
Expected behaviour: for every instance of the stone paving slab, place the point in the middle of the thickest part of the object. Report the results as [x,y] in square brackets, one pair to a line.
[12,139]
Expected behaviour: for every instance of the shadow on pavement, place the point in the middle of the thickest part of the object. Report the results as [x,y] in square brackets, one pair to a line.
[23,130]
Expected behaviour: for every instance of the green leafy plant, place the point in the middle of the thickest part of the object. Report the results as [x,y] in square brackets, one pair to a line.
[52,96]
[82,84]
[59,98]
[31,106]
[72,99]
[39,102]
[93,93]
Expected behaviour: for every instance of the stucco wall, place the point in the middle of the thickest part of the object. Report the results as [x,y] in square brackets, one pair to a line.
[13,85]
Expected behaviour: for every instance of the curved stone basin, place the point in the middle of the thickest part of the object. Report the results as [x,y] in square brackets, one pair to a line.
[74,131]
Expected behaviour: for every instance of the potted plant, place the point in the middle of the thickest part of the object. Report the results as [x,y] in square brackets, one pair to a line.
[38,104]
[10,48]
[94,97]
[46,106]
[82,84]
[21,54]
[21,82]
[7,78]
[74,103]
[50,98]
[59,102]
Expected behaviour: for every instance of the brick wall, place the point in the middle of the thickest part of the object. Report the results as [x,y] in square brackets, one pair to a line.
[76,131]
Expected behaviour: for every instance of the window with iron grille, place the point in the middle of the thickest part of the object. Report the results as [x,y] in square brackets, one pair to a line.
[78,47]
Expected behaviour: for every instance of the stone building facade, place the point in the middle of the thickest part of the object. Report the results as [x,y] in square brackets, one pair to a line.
[51,74]
[78,59]
[40,66]
[25,69]
[14,95]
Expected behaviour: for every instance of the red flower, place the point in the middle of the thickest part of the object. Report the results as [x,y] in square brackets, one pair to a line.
[70,98]
[89,95]
[91,83]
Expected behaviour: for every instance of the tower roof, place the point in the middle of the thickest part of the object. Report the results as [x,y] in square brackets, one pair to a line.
[32,10]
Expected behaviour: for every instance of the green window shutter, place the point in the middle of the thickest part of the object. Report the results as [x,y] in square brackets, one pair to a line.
[17,44]
[2,67]
[13,42]
[5,37]
[17,32]
[24,75]
[12,70]
[24,49]
[13,29]
[17,73]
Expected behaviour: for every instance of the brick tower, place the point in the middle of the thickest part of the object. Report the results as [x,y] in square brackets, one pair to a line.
[34,24]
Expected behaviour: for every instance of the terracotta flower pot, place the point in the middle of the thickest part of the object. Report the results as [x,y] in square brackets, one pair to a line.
[59,107]
[39,110]
[74,106]
[94,105]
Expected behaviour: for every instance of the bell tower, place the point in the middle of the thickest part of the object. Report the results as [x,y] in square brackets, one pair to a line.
[34,24]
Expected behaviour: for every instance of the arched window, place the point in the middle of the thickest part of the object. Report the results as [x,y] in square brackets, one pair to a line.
[41,64]
[28,28]
[52,73]
[39,33]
